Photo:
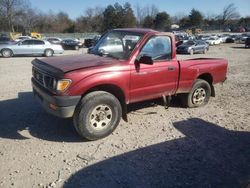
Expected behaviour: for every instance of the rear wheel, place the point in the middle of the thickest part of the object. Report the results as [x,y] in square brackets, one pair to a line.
[199,95]
[48,53]
[7,53]
[97,115]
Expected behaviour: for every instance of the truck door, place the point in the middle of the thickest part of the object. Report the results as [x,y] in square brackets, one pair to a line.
[160,78]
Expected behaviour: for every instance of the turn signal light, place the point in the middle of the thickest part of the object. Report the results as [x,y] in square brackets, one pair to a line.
[63,84]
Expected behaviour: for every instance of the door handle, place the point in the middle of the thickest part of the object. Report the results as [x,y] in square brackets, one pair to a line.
[170,68]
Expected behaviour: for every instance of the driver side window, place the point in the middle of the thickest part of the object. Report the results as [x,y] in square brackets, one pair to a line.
[158,48]
[26,42]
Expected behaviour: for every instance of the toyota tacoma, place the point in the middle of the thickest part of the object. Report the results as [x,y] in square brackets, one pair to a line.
[124,67]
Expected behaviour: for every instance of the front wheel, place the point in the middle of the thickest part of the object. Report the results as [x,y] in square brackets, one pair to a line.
[97,115]
[7,53]
[199,95]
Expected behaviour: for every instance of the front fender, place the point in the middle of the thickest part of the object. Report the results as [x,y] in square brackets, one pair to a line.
[117,79]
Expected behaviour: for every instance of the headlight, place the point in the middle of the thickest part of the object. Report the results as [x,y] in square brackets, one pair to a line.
[63,84]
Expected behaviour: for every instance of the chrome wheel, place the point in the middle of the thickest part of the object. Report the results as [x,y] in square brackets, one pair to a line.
[6,53]
[199,96]
[101,117]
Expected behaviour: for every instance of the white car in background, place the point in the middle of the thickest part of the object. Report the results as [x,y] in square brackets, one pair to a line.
[30,47]
[53,40]
[213,40]
[224,37]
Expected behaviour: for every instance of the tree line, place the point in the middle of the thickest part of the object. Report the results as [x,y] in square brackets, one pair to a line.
[19,16]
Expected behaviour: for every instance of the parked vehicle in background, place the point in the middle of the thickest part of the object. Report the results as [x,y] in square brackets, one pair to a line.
[203,37]
[53,40]
[213,41]
[4,35]
[193,46]
[223,37]
[36,35]
[111,44]
[22,38]
[96,88]
[30,47]
[71,44]
[231,39]
[91,41]
[247,42]
[4,40]
[227,30]
[242,38]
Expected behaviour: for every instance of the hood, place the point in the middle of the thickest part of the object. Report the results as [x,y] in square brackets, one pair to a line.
[68,63]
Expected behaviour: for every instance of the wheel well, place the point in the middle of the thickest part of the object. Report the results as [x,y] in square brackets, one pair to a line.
[6,49]
[208,77]
[114,90]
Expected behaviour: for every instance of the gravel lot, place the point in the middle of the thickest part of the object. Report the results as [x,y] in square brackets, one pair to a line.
[177,147]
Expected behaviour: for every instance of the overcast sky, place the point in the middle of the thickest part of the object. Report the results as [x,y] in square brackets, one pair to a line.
[75,8]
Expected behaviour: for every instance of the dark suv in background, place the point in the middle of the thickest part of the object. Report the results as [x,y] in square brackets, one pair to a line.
[71,44]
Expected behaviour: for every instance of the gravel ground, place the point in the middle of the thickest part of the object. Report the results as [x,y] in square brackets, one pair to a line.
[177,147]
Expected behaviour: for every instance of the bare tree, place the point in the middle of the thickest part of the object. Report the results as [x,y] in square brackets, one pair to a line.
[229,13]
[27,17]
[92,20]
[151,10]
[177,17]
[143,12]
[10,9]
[139,14]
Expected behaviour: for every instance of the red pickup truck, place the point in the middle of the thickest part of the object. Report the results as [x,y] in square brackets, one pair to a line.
[125,66]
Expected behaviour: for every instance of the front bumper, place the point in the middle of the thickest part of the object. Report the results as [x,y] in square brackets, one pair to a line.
[60,106]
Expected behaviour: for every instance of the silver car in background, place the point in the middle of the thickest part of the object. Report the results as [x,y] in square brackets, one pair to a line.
[30,47]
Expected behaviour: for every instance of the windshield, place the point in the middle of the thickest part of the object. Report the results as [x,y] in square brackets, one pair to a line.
[116,44]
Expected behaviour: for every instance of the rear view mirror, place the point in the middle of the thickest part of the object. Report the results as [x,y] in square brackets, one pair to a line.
[146,60]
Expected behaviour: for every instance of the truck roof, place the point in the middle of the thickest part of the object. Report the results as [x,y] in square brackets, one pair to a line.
[137,30]
[142,30]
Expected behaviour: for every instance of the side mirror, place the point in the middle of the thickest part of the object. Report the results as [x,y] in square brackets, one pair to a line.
[145,60]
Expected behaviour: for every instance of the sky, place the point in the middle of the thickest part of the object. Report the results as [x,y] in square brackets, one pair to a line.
[75,8]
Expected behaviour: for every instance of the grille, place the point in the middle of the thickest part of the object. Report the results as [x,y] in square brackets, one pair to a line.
[44,79]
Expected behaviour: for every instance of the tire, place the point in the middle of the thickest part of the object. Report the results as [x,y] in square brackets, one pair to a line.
[191,52]
[199,95]
[76,47]
[97,115]
[7,53]
[48,52]
[205,51]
